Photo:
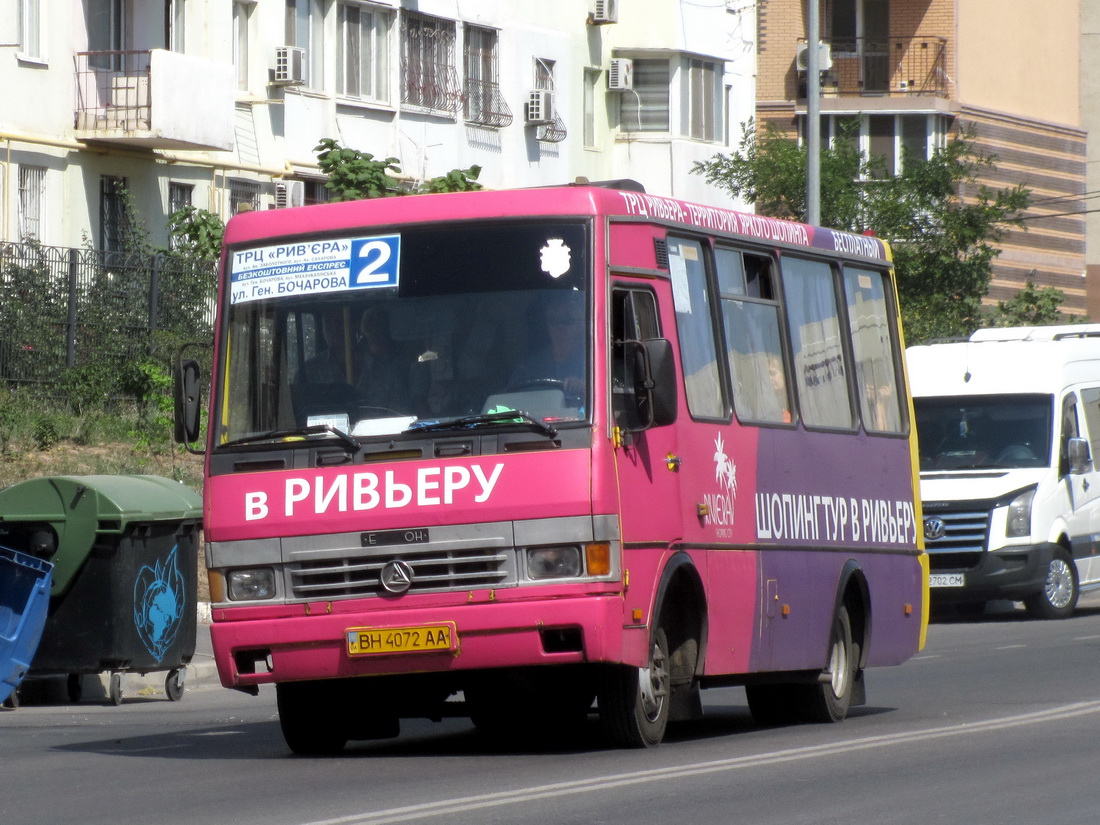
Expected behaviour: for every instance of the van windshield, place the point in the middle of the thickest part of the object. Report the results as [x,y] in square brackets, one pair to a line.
[1004,431]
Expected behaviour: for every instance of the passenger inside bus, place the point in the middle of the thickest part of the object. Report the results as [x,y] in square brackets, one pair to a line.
[382,371]
[323,386]
[558,359]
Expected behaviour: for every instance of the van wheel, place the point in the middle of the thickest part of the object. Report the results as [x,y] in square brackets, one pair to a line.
[1058,598]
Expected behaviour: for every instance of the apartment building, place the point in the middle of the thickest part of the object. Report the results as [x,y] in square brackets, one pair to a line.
[221,103]
[909,73]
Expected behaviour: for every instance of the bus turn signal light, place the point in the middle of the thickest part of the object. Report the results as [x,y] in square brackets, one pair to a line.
[597,558]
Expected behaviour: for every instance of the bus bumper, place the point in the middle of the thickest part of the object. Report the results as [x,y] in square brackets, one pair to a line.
[254,646]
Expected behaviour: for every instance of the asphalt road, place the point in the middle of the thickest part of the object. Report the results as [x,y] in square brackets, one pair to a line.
[997,721]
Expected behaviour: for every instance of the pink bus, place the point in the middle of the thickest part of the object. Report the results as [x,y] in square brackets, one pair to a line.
[526,455]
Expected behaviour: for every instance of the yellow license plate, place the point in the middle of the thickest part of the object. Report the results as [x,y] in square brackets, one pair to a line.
[365,641]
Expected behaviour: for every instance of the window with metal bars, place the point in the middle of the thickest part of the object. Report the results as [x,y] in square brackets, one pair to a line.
[482,102]
[113,218]
[553,132]
[179,197]
[429,77]
[32,196]
[244,196]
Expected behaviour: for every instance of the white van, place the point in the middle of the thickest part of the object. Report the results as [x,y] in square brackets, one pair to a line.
[1008,422]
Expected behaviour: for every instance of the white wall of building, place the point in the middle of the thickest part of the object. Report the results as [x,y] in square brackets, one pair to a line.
[273,129]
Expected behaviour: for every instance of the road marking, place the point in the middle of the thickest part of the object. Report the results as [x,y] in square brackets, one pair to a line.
[1009,647]
[492,800]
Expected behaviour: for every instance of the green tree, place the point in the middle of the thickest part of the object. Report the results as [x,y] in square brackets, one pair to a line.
[943,242]
[196,233]
[1031,306]
[354,175]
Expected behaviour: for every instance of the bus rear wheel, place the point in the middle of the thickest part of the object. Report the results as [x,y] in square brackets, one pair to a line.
[829,701]
[634,702]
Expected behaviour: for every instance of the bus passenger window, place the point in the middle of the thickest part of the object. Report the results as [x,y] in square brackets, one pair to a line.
[820,365]
[758,371]
[695,329]
[876,370]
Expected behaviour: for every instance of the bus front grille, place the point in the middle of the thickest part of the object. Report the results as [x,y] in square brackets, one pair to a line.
[431,571]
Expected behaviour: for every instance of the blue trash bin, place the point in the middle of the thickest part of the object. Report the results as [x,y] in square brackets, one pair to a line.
[24,600]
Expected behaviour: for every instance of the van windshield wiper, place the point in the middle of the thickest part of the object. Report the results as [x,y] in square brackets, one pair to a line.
[468,422]
[299,435]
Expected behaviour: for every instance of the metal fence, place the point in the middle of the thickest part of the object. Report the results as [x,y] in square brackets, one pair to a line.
[62,308]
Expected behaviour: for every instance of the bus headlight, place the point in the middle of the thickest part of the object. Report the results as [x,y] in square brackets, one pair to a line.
[1019,515]
[250,585]
[554,562]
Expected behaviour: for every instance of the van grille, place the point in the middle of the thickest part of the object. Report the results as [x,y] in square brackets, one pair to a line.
[433,570]
[963,541]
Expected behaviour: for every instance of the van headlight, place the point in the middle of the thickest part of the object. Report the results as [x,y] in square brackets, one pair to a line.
[253,584]
[1019,515]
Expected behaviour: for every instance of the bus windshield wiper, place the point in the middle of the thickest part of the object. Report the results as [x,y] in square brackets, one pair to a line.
[300,435]
[467,422]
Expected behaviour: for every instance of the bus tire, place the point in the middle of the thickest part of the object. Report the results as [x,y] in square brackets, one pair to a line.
[1058,598]
[829,701]
[310,721]
[634,702]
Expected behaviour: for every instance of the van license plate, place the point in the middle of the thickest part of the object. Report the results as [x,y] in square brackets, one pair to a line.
[946,580]
[364,641]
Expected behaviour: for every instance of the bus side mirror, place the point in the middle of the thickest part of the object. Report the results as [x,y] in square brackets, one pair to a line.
[653,373]
[1077,450]
[188,399]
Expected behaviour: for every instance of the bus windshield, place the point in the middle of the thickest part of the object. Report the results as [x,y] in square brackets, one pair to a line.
[377,333]
[971,432]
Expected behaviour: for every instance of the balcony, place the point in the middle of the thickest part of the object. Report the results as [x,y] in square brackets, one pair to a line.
[902,67]
[154,99]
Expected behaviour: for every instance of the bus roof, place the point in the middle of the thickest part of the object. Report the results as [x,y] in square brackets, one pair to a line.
[357,216]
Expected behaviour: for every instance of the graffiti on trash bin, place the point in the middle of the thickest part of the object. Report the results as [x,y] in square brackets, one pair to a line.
[158,604]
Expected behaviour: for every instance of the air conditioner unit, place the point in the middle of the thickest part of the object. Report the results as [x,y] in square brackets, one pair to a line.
[824,57]
[620,77]
[290,66]
[603,12]
[540,107]
[289,193]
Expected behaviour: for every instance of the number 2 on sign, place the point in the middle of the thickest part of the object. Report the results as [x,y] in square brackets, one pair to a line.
[375,261]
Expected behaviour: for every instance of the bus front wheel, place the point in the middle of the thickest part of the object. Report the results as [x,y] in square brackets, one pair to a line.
[310,720]
[634,702]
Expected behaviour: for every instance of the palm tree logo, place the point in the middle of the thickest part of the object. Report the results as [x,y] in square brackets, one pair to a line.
[725,471]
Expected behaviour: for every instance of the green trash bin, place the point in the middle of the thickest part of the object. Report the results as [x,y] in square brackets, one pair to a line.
[125,555]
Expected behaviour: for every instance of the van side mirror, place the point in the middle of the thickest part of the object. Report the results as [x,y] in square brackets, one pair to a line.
[188,398]
[652,375]
[1077,452]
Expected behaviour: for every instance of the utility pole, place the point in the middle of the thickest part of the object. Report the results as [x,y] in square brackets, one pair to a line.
[813,113]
